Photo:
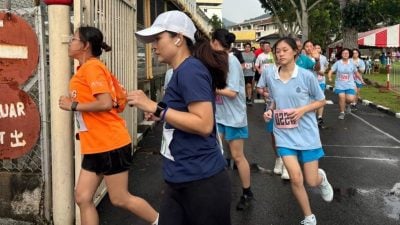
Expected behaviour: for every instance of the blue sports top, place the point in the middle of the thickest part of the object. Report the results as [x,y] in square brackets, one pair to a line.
[195,157]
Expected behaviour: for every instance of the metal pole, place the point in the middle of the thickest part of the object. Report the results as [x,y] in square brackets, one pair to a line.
[61,121]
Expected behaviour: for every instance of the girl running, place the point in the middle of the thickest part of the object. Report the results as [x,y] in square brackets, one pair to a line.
[360,65]
[295,95]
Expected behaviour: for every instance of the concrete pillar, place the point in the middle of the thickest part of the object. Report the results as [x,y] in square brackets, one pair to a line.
[61,121]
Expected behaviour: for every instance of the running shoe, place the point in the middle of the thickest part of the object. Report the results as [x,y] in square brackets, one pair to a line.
[278,166]
[341,116]
[285,174]
[244,202]
[353,107]
[309,220]
[325,187]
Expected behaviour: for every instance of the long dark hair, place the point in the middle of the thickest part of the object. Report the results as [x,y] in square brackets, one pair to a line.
[215,61]
[224,37]
[94,37]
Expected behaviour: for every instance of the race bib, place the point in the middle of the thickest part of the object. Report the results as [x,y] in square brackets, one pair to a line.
[218,100]
[248,65]
[344,77]
[282,121]
[320,77]
[80,123]
[265,66]
[165,141]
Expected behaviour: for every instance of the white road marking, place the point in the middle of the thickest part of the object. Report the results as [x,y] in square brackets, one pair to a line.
[363,158]
[377,129]
[362,146]
[13,52]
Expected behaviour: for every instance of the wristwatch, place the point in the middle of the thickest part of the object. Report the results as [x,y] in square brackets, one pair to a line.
[73,106]
[160,107]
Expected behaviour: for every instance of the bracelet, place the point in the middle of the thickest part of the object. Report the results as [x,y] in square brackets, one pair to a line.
[163,115]
[73,106]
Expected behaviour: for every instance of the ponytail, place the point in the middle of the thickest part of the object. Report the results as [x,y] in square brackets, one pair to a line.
[215,61]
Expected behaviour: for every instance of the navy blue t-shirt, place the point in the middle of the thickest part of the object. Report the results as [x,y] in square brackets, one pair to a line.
[196,157]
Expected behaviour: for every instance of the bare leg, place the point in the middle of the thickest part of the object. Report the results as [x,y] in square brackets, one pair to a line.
[236,147]
[88,182]
[297,183]
[117,185]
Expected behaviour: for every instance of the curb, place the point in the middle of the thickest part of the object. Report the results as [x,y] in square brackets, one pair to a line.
[373,105]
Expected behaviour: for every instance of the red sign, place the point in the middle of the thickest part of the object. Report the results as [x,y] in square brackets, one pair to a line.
[19,123]
[19,117]
[19,50]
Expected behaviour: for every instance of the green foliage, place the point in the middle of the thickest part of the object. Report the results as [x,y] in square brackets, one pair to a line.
[325,19]
[215,22]
[357,15]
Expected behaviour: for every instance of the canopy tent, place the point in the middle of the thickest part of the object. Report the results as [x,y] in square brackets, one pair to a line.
[385,37]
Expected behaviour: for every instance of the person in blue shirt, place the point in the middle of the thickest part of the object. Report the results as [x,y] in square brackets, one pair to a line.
[231,113]
[295,95]
[198,189]
[361,67]
[344,82]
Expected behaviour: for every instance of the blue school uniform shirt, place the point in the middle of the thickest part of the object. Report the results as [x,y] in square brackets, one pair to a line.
[344,75]
[300,90]
[232,111]
[323,61]
[305,62]
[195,157]
[360,65]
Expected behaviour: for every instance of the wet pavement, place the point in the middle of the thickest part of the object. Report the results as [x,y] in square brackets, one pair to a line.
[362,163]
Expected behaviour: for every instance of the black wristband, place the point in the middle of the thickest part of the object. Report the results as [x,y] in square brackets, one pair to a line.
[160,107]
[73,106]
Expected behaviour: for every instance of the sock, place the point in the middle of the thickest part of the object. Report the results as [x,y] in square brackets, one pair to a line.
[156,221]
[247,191]
[319,117]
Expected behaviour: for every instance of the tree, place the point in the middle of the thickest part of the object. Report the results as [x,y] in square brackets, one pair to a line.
[215,22]
[291,12]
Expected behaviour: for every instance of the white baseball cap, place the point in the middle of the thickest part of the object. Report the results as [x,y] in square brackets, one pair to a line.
[175,21]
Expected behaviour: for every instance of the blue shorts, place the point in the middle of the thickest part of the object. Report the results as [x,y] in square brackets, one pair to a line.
[233,133]
[322,86]
[359,85]
[269,126]
[304,156]
[346,92]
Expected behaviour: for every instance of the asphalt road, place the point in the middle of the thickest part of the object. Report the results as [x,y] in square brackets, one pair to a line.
[362,163]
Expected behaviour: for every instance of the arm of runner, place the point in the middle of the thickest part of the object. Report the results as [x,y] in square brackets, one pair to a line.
[297,113]
[226,92]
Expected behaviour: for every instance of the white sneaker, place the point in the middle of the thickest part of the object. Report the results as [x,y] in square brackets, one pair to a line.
[309,220]
[278,166]
[341,116]
[325,187]
[285,174]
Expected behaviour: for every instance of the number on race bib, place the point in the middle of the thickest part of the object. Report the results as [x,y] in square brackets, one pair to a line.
[344,77]
[282,121]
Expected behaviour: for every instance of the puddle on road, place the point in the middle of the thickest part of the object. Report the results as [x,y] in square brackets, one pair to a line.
[343,193]
[392,202]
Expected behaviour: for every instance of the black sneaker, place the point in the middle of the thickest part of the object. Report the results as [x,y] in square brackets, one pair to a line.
[244,202]
[353,107]
[320,122]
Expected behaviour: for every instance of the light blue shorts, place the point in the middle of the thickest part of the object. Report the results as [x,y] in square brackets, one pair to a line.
[269,126]
[233,133]
[304,156]
[346,92]
[322,86]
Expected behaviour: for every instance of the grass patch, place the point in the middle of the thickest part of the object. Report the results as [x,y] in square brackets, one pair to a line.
[378,96]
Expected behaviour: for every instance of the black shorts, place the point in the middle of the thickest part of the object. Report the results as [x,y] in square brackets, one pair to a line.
[109,163]
[248,80]
[257,76]
[202,202]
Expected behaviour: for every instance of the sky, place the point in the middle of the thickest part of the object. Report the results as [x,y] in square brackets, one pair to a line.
[240,10]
